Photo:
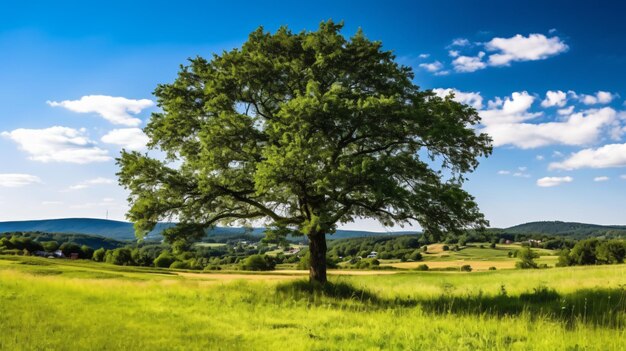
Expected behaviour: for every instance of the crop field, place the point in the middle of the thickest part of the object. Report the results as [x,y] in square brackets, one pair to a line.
[79,305]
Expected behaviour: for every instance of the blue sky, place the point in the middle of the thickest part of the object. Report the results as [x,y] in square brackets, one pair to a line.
[547,77]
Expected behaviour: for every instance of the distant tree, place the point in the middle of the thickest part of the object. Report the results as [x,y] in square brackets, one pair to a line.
[70,248]
[611,251]
[415,256]
[50,246]
[258,263]
[466,268]
[121,257]
[164,260]
[99,255]
[584,252]
[86,252]
[526,258]
[304,131]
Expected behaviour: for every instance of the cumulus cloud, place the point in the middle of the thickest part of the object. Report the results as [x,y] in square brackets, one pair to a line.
[128,138]
[512,109]
[554,98]
[469,63]
[116,110]
[601,179]
[460,42]
[423,56]
[58,144]
[504,172]
[14,180]
[578,129]
[469,98]
[607,156]
[565,111]
[91,182]
[600,97]
[547,182]
[540,158]
[520,48]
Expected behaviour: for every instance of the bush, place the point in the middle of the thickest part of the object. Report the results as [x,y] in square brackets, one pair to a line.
[179,265]
[164,260]
[526,256]
[258,263]
[446,248]
[120,257]
[99,255]
[492,268]
[421,267]
[466,268]
[415,256]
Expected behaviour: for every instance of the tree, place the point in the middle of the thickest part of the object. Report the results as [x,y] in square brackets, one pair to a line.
[99,255]
[304,132]
[526,259]
[258,263]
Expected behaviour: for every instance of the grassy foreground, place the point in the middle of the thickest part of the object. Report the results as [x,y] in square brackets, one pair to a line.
[62,305]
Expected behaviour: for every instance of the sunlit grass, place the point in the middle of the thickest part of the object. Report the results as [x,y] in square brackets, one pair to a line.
[85,306]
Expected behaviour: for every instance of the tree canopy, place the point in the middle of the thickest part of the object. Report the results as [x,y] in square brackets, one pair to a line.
[303,131]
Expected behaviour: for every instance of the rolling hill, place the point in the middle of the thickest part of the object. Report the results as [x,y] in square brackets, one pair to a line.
[573,229]
[120,230]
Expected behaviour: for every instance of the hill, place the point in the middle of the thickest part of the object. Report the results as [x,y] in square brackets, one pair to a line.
[572,229]
[120,230]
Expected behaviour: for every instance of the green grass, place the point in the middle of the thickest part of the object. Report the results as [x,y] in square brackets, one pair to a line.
[65,305]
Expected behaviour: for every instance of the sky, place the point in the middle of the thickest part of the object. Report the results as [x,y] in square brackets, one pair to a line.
[548,79]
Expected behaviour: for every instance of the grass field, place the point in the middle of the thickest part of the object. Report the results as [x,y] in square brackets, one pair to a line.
[74,305]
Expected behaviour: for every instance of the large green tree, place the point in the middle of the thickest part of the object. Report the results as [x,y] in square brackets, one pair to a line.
[303,132]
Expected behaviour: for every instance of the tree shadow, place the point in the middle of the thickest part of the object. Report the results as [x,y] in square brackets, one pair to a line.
[603,307]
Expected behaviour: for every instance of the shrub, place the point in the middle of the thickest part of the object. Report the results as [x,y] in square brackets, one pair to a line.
[526,256]
[164,260]
[421,267]
[492,268]
[99,255]
[258,263]
[179,265]
[466,268]
[415,256]
[120,257]
[445,248]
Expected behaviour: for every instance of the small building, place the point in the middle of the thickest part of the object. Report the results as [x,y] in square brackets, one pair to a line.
[58,254]
[372,254]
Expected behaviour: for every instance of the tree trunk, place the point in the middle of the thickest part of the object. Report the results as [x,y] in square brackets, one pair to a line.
[317,258]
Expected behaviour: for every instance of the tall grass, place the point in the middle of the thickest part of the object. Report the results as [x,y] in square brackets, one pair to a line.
[89,307]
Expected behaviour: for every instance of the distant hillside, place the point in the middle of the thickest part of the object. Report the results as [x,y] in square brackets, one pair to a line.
[567,228]
[119,230]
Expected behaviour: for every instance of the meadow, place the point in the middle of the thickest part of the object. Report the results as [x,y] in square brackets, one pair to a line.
[80,305]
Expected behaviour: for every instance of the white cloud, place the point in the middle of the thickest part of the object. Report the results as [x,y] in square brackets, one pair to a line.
[600,97]
[553,181]
[557,154]
[565,111]
[521,174]
[453,53]
[520,48]
[607,156]
[58,144]
[91,182]
[460,42]
[51,203]
[554,98]
[601,179]
[469,98]
[424,56]
[432,67]
[523,168]
[510,110]
[578,129]
[623,176]
[504,172]
[469,63]
[116,110]
[14,180]
[129,138]
[540,158]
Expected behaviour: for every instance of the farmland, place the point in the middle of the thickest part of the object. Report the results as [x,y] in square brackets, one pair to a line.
[62,305]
